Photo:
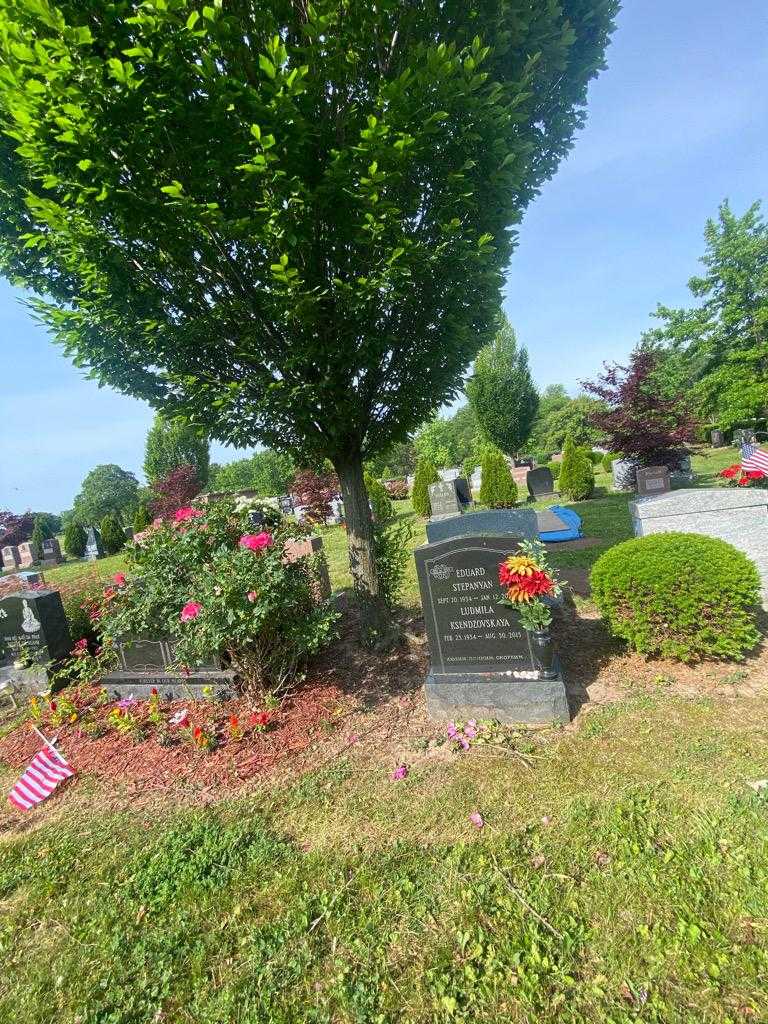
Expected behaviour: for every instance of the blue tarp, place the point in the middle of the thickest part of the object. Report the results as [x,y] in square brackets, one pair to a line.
[571,525]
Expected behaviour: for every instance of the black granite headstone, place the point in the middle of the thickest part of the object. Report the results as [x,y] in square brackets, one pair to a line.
[540,483]
[33,624]
[93,547]
[483,664]
[51,553]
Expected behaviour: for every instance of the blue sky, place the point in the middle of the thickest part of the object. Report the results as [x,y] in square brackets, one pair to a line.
[678,123]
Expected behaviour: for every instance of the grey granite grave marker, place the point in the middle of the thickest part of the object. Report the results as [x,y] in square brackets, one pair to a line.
[540,483]
[448,497]
[517,523]
[717,437]
[737,515]
[652,480]
[26,555]
[10,557]
[483,664]
[33,624]
[743,436]
[623,471]
[93,547]
[51,553]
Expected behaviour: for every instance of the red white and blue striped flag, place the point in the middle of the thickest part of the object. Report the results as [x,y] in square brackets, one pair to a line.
[753,459]
[46,770]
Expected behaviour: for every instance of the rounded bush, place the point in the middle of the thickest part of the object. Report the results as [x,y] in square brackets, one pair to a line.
[554,468]
[608,460]
[577,475]
[679,595]
[426,474]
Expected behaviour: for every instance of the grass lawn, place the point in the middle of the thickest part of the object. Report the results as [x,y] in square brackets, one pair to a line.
[622,875]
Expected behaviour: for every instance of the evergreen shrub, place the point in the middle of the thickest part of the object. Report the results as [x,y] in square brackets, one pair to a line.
[497,488]
[577,475]
[426,474]
[112,534]
[679,595]
[75,539]
[380,501]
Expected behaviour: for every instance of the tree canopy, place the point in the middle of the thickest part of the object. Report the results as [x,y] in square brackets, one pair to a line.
[719,348]
[447,441]
[286,221]
[268,473]
[172,443]
[560,416]
[501,392]
[106,489]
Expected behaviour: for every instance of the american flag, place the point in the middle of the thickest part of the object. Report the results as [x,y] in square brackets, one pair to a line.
[46,770]
[753,458]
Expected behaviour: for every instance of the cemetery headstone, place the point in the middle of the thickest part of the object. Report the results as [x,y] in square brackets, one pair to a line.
[623,471]
[448,497]
[540,483]
[483,664]
[515,523]
[285,504]
[717,437]
[145,664]
[683,472]
[449,474]
[652,480]
[743,436]
[33,626]
[10,557]
[93,547]
[738,515]
[51,553]
[307,547]
[26,555]
[519,475]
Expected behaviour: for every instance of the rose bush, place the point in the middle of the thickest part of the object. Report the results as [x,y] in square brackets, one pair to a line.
[205,580]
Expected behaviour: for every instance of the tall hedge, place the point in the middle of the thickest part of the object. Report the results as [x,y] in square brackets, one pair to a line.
[112,534]
[497,488]
[679,595]
[381,503]
[577,474]
[40,531]
[75,539]
[426,474]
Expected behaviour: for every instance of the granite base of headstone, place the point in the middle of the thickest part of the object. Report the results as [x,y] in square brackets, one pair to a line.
[483,664]
[623,472]
[517,523]
[737,515]
[652,480]
[34,627]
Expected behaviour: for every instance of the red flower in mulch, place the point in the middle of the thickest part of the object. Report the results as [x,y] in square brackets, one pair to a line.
[730,471]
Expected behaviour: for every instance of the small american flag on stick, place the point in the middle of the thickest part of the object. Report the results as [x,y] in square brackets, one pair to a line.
[753,458]
[46,770]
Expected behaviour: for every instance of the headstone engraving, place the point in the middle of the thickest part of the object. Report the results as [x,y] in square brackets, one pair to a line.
[33,625]
[448,497]
[93,547]
[145,664]
[285,504]
[737,515]
[482,661]
[540,483]
[652,480]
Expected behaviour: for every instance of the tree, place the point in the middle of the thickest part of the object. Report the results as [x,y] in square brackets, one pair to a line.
[638,420]
[577,474]
[400,460]
[286,222]
[175,491]
[315,492]
[426,474]
[721,345]
[75,539]
[501,392]
[106,489]
[142,517]
[497,486]
[112,534]
[15,528]
[172,443]
[560,416]
[268,473]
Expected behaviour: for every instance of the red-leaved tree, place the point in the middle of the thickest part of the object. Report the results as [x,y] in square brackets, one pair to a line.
[315,491]
[175,490]
[15,528]
[640,421]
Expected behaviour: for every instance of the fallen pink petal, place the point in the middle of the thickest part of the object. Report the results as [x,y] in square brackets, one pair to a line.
[477,819]
[399,773]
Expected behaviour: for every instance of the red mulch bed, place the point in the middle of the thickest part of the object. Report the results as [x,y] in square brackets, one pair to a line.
[146,765]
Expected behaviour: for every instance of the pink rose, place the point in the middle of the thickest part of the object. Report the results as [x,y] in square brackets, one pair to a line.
[253,595]
[190,611]
[256,541]
[119,579]
[399,773]
[477,819]
[188,512]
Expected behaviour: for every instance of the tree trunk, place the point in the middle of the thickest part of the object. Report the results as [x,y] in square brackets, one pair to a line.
[375,620]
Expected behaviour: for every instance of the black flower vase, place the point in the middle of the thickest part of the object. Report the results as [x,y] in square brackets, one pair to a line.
[543,652]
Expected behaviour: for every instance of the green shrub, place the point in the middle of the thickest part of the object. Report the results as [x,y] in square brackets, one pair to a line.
[381,503]
[608,460]
[142,518]
[112,534]
[468,467]
[392,545]
[542,458]
[75,539]
[40,531]
[554,468]
[680,595]
[426,474]
[497,488]
[577,477]
[594,457]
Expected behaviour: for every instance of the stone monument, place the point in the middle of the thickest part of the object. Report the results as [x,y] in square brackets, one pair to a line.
[652,480]
[33,626]
[10,558]
[541,484]
[93,547]
[743,436]
[738,515]
[514,523]
[483,664]
[448,497]
[717,437]
[51,553]
[623,472]
[26,555]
